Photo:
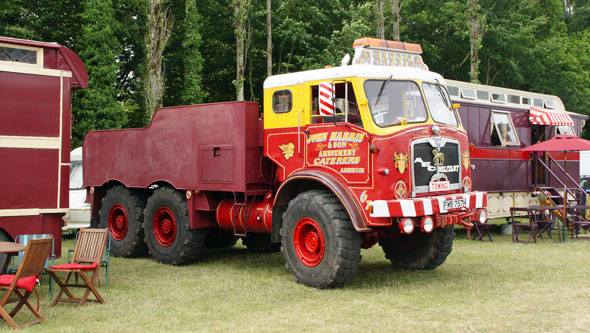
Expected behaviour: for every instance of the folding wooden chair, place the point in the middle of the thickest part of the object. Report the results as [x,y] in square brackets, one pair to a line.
[26,276]
[24,240]
[86,259]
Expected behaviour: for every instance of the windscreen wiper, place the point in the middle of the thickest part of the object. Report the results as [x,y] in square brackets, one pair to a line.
[383,86]
[442,93]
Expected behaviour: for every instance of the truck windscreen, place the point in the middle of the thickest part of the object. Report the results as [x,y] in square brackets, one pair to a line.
[439,104]
[392,102]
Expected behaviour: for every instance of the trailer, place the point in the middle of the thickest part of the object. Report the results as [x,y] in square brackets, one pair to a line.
[37,80]
[500,122]
[342,159]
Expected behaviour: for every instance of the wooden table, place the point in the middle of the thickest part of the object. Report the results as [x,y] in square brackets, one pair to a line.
[10,249]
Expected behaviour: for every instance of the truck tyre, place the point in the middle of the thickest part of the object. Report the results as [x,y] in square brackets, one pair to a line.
[260,243]
[319,243]
[122,213]
[419,250]
[167,228]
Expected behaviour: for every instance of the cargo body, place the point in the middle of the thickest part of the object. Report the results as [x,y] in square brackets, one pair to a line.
[36,86]
[339,159]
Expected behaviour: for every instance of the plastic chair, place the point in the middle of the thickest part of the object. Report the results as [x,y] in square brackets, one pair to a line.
[105,262]
[26,277]
[24,240]
[88,253]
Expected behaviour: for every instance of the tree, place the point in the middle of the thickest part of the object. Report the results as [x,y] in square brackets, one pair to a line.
[379,9]
[476,31]
[395,7]
[193,61]
[241,8]
[160,21]
[268,38]
[97,107]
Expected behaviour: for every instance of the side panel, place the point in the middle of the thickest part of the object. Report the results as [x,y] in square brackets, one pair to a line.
[30,105]
[209,147]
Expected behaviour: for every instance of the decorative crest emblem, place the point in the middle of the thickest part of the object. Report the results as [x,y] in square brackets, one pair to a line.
[401,161]
[438,158]
[400,190]
[466,161]
[288,150]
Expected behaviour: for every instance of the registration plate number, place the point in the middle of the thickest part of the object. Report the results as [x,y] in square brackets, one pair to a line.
[454,204]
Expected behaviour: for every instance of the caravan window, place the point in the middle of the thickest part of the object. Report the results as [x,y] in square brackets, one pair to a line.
[503,132]
[467,93]
[282,101]
[559,130]
[453,91]
[482,94]
[550,104]
[498,98]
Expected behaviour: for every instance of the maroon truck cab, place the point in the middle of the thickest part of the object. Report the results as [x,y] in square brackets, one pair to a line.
[36,85]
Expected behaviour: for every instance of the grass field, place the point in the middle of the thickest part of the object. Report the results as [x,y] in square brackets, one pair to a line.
[497,286]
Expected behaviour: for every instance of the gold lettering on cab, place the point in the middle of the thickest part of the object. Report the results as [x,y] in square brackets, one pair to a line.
[341,148]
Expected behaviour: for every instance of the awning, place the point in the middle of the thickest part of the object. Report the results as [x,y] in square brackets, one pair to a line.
[549,117]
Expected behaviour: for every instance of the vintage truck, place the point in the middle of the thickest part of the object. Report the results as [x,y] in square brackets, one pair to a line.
[340,159]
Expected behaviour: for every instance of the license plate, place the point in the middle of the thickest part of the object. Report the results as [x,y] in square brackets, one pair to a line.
[454,204]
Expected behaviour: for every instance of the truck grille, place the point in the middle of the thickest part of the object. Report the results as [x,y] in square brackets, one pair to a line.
[424,168]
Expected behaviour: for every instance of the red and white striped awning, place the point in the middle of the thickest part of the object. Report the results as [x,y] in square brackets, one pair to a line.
[550,117]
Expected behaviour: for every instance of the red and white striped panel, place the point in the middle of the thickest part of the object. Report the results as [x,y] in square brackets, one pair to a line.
[548,117]
[426,206]
[326,92]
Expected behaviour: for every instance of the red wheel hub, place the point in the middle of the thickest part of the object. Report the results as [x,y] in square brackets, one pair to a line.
[308,241]
[164,226]
[118,222]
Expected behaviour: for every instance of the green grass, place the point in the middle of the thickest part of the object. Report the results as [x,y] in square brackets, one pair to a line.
[497,286]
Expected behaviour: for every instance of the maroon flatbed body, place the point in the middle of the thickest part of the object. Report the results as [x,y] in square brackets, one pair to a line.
[37,80]
[208,147]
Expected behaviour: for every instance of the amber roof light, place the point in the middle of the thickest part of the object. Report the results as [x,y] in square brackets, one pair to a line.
[387,44]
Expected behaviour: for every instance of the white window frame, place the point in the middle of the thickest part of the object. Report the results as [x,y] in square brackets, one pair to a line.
[511,124]
[38,50]
[465,95]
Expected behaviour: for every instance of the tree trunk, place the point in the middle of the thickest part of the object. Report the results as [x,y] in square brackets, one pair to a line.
[160,22]
[476,30]
[380,20]
[268,39]
[396,18]
[240,17]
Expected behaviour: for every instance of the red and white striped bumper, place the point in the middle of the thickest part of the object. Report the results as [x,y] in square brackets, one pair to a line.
[427,206]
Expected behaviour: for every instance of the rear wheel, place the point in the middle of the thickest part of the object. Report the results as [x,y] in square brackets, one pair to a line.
[319,243]
[167,230]
[122,214]
[419,250]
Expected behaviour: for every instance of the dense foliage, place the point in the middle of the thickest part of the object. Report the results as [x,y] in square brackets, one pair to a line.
[535,45]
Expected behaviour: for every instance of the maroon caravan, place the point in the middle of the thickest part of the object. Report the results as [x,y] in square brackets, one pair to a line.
[37,80]
[499,123]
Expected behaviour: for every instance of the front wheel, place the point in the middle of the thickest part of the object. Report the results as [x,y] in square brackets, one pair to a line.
[419,250]
[319,243]
[167,230]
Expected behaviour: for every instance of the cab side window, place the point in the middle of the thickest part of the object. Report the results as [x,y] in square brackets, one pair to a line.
[344,100]
[282,101]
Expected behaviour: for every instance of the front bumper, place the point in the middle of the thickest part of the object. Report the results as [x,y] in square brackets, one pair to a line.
[428,206]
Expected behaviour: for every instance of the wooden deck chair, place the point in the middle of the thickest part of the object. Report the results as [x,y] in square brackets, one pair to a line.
[24,240]
[106,259]
[26,276]
[86,259]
